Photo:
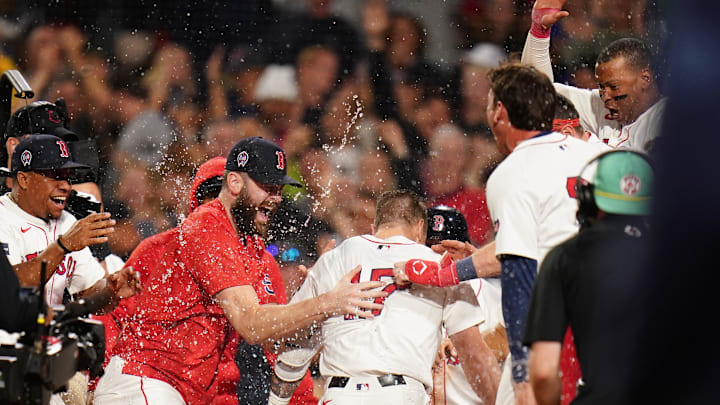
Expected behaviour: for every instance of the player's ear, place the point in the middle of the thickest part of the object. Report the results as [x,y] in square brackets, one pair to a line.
[10,145]
[23,180]
[646,78]
[235,183]
[499,113]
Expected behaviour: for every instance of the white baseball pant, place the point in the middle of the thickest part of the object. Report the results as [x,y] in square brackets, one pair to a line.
[368,391]
[116,388]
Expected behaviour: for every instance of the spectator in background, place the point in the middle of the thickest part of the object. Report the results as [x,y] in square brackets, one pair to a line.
[444,181]
[317,73]
[397,70]
[474,87]
[494,21]
[42,58]
[276,93]
[218,137]
[231,77]
[317,26]
[432,113]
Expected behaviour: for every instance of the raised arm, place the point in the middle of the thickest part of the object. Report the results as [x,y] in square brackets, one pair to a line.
[480,263]
[536,52]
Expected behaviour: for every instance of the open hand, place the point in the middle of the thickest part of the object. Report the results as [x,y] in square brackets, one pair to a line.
[91,230]
[455,248]
[548,12]
[348,298]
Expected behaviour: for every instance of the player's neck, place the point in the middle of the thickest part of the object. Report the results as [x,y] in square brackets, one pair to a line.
[518,135]
[651,97]
[388,231]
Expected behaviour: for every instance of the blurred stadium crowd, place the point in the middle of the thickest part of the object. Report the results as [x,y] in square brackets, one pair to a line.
[363,96]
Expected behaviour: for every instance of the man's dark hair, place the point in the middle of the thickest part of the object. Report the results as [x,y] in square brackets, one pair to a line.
[564,108]
[398,206]
[633,50]
[527,94]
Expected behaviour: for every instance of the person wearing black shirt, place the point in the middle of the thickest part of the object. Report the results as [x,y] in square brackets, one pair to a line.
[19,311]
[579,279]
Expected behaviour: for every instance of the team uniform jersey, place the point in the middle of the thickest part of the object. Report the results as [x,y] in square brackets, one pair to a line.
[638,135]
[457,389]
[531,194]
[594,118]
[24,236]
[403,338]
[178,332]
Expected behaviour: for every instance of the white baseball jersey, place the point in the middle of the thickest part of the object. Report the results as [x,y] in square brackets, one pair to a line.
[531,194]
[457,389]
[404,337]
[593,117]
[24,236]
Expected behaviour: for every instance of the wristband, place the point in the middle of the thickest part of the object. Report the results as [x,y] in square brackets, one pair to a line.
[427,272]
[536,28]
[466,269]
[66,250]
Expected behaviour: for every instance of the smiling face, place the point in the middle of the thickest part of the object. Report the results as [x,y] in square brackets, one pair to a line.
[43,193]
[255,205]
[622,88]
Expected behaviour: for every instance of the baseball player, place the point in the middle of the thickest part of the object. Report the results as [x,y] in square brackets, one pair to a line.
[388,359]
[531,196]
[572,289]
[210,286]
[35,227]
[445,223]
[626,111]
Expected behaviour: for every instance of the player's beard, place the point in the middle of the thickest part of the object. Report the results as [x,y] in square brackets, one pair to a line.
[244,213]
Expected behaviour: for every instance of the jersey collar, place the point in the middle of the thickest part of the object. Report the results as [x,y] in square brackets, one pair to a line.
[396,239]
[543,133]
[31,219]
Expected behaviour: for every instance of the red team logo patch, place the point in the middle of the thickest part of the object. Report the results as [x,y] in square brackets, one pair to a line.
[630,184]
[438,222]
[280,160]
[63,149]
[53,116]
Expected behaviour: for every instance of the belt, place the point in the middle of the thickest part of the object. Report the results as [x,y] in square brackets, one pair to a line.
[384,381]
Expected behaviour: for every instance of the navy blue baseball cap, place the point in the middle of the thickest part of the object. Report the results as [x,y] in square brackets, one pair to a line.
[446,223]
[262,160]
[42,152]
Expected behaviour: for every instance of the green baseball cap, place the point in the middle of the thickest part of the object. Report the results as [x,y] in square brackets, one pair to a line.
[623,183]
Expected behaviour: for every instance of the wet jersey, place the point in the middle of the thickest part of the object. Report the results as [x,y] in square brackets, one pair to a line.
[404,336]
[531,194]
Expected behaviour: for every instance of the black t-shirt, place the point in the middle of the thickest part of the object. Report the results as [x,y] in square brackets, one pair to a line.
[589,283]
[19,311]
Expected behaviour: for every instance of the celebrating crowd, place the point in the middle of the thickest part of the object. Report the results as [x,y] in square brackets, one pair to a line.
[292,133]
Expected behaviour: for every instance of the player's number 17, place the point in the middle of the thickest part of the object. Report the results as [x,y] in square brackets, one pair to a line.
[386,275]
